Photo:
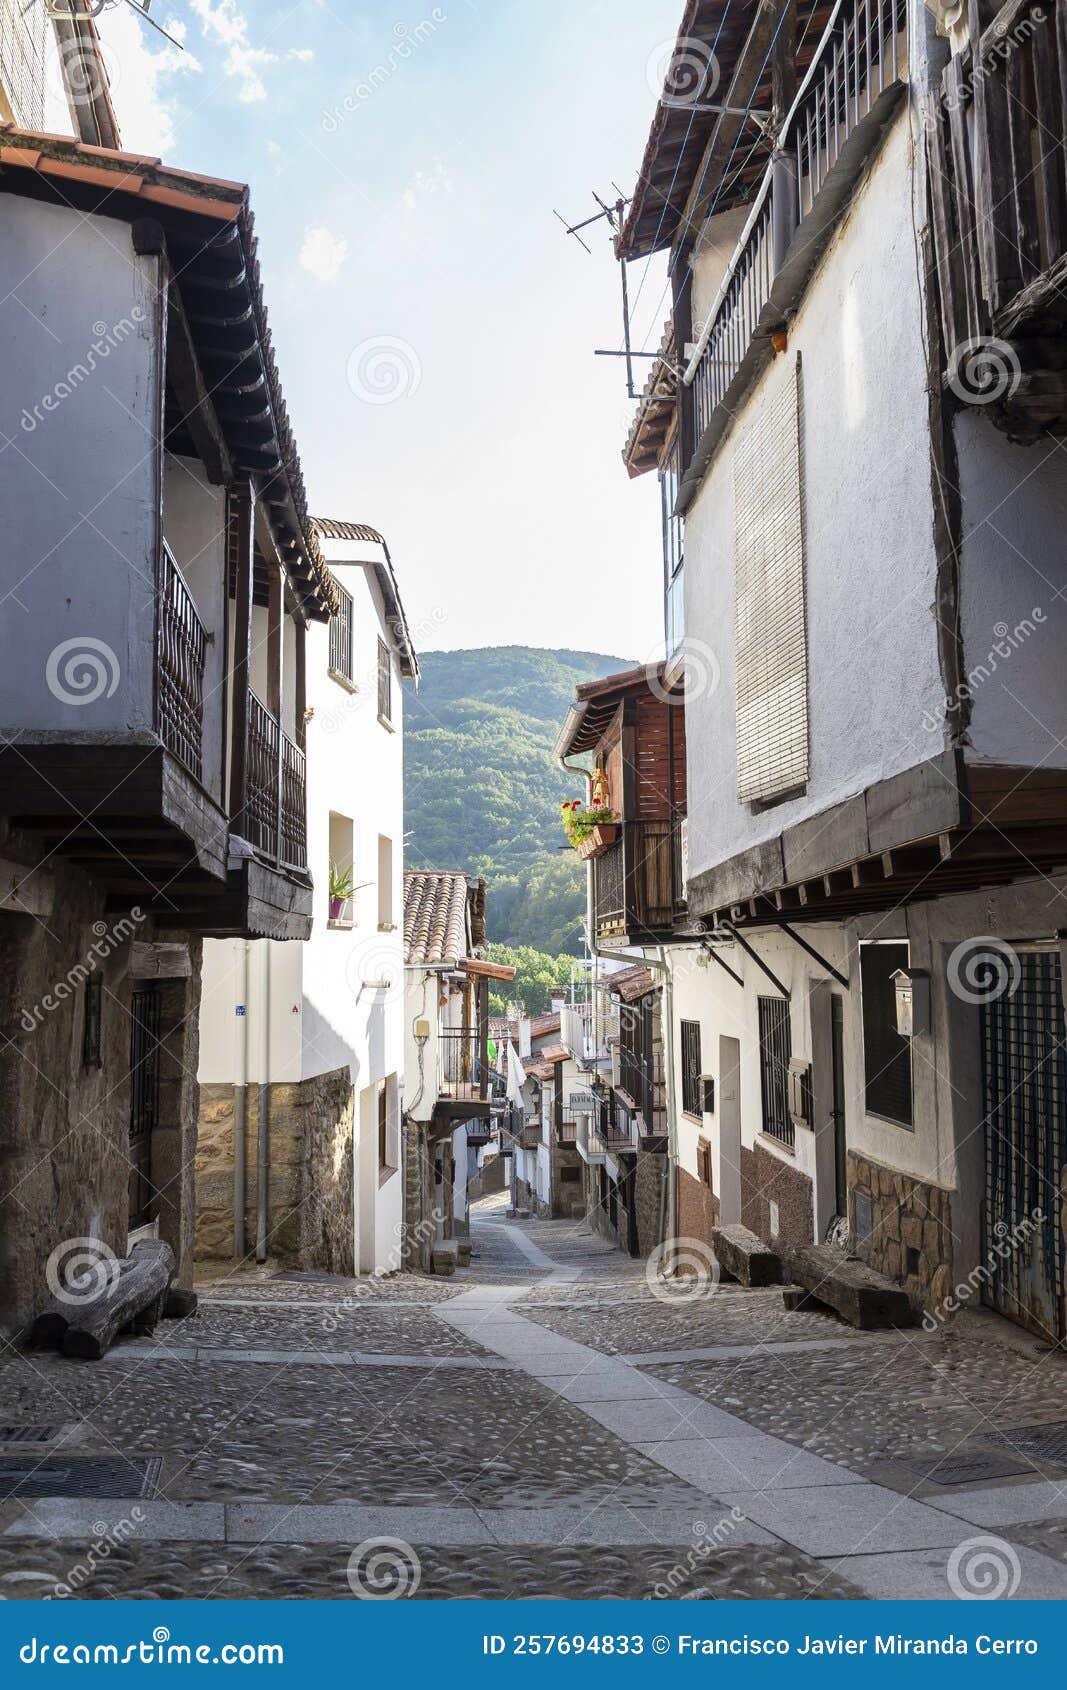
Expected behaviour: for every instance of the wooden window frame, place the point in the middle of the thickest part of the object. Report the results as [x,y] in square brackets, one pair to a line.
[385,684]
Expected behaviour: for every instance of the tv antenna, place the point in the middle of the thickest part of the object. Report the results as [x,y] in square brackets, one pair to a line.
[613,215]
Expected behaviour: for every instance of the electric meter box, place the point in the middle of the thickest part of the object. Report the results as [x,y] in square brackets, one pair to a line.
[912,1001]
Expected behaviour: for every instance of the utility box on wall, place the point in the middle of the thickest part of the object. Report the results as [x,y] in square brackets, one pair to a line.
[912,1001]
[707,1093]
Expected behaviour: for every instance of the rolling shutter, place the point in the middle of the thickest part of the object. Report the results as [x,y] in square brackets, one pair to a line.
[769,625]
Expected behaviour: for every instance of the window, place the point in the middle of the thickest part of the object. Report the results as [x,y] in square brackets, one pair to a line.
[341,889]
[692,1102]
[769,628]
[673,552]
[385,883]
[383,1127]
[886,1053]
[775,1049]
[341,636]
[388,1130]
[385,683]
[91,1028]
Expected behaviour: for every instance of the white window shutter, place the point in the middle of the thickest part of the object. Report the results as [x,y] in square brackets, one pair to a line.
[769,625]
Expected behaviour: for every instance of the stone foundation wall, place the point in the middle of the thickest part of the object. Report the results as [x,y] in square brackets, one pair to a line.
[766,1179]
[310,1179]
[911,1229]
[648,1200]
[698,1208]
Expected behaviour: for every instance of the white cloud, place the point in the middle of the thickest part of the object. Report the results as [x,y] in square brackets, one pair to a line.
[142,77]
[425,183]
[223,21]
[322,254]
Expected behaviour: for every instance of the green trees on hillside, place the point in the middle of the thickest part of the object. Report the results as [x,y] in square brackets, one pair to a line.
[535,976]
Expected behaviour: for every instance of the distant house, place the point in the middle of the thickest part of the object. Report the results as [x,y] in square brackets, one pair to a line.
[452,1090]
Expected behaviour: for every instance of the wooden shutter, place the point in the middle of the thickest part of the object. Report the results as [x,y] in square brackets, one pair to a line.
[769,625]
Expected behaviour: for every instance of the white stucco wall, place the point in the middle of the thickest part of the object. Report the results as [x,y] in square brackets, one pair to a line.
[872,653]
[713,252]
[78,483]
[1013,566]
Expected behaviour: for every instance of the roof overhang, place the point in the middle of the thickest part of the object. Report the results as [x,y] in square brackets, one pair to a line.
[590,716]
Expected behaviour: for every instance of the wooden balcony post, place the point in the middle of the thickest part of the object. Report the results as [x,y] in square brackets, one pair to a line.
[239,548]
[300,683]
[275,625]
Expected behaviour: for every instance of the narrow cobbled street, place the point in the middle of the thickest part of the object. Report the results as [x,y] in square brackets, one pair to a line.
[542,1424]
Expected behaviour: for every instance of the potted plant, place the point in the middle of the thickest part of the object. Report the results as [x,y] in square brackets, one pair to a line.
[340,890]
[590,829]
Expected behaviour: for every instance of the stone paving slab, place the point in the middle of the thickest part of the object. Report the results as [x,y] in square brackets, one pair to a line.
[1006,1505]
[922,1575]
[344,1522]
[752,1462]
[90,1518]
[846,1519]
[607,1527]
[645,1420]
[606,1384]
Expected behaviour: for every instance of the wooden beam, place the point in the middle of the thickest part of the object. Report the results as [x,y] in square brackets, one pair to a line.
[720,151]
[194,401]
[240,538]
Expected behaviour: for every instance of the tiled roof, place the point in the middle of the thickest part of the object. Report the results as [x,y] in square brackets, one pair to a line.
[332,529]
[553,1053]
[631,983]
[329,528]
[542,1024]
[655,411]
[538,1070]
[436,930]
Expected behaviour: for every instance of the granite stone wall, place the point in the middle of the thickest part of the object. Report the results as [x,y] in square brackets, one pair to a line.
[698,1208]
[911,1229]
[765,1179]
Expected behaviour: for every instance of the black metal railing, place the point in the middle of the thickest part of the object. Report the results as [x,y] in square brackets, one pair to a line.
[464,1072]
[182,650]
[275,818]
[862,52]
[775,1051]
[341,635]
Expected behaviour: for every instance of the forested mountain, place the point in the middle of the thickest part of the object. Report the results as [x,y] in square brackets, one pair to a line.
[482,788]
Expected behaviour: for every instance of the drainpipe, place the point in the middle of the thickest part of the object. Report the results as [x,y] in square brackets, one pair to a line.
[263,1132]
[240,1099]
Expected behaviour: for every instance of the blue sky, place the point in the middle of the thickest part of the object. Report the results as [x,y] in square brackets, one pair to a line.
[404,168]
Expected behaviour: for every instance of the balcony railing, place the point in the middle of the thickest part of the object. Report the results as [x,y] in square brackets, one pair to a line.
[638,880]
[275,819]
[860,58]
[998,188]
[566,1130]
[463,1066]
[182,649]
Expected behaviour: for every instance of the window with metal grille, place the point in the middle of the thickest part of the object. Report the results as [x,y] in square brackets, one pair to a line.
[341,636]
[692,1102]
[769,626]
[385,682]
[775,1049]
[886,1053]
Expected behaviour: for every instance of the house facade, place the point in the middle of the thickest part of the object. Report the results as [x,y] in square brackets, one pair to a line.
[452,1089]
[160,575]
[851,424]
[302,1046]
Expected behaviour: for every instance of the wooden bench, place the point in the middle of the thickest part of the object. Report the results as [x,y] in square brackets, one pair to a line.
[133,1296]
[744,1257]
[854,1291]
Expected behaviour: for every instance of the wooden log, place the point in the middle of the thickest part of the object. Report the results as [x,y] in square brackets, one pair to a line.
[141,1284]
[744,1257]
[859,1295]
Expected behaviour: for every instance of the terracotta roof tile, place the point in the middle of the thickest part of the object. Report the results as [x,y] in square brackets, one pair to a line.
[436,930]
[542,1024]
[631,983]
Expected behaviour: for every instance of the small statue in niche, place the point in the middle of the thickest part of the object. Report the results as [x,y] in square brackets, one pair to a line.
[600,798]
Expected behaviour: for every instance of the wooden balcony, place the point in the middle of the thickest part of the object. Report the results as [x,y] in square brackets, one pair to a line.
[637,883]
[853,85]
[998,188]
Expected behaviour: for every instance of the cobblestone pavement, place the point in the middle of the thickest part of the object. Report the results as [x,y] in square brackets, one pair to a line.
[547,1423]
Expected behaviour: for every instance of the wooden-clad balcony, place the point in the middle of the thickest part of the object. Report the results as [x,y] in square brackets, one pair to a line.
[637,882]
[853,85]
[998,189]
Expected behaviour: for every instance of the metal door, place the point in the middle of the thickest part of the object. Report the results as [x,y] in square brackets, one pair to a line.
[1024,1106]
[144,1099]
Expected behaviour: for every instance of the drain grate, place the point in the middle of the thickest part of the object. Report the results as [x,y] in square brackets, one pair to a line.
[78,1475]
[29,1434]
[1041,1443]
[970,1468]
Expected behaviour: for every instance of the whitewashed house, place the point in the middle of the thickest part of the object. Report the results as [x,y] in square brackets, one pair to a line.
[864,607]
[302,1046]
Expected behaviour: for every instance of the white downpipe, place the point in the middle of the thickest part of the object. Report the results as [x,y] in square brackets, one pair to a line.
[240,1096]
[263,1123]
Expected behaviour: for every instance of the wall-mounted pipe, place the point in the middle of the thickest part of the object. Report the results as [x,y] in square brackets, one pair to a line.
[263,1124]
[240,1096]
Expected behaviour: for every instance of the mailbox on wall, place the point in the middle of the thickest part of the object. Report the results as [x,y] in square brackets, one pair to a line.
[912,1001]
[800,1110]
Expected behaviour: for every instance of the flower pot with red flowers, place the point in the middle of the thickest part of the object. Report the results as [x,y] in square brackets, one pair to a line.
[589,829]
